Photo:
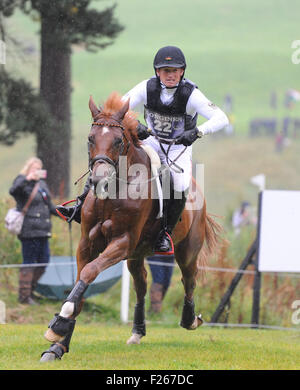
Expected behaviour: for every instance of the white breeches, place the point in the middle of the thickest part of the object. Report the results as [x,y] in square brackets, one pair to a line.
[181,179]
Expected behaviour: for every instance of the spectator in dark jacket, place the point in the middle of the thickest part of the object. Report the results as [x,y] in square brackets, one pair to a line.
[36,228]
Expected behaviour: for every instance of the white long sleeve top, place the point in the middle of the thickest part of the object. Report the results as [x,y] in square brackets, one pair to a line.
[197,103]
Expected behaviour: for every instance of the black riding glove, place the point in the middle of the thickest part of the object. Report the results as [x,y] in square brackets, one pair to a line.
[189,137]
[142,131]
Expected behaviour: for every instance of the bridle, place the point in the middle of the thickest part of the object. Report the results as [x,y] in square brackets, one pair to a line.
[115,164]
[102,157]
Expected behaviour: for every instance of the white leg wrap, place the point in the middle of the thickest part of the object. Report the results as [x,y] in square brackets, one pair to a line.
[134,339]
[67,309]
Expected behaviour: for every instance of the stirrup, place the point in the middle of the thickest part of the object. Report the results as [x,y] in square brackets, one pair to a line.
[73,214]
[171,248]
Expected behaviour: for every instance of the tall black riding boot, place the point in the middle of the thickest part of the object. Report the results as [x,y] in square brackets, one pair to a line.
[174,208]
[74,212]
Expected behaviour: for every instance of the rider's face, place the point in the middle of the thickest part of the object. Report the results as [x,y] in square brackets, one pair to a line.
[170,77]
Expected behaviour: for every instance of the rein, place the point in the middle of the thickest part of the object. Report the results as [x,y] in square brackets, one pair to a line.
[166,153]
[108,160]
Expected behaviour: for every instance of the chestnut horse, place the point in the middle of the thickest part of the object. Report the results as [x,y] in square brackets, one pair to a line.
[115,229]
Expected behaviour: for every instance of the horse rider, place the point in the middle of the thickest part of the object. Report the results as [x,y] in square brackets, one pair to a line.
[171,104]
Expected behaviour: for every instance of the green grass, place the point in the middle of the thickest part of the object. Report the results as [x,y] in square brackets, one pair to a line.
[233,47]
[104,348]
[230,162]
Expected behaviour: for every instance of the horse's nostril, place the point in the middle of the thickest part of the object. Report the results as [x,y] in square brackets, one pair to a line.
[95,181]
[101,188]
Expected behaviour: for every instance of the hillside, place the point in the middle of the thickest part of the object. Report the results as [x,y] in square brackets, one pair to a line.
[237,48]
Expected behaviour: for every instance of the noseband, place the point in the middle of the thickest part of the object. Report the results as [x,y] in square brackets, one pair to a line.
[102,157]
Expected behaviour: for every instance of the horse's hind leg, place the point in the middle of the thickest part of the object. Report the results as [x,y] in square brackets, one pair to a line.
[189,270]
[139,274]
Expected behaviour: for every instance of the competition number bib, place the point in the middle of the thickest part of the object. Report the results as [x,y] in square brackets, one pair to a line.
[163,125]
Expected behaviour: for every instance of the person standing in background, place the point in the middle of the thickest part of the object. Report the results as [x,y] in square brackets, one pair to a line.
[243,216]
[161,268]
[36,228]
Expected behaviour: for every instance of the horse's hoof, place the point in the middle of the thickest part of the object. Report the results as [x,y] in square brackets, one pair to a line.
[48,357]
[53,337]
[197,322]
[134,339]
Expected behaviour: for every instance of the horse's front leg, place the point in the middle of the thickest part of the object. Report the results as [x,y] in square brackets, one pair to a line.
[139,274]
[61,327]
[116,251]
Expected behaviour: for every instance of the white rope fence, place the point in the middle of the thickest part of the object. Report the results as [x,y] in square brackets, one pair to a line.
[37,265]
[160,263]
[231,270]
[212,269]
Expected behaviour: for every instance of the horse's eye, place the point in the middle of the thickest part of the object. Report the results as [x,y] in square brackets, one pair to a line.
[117,142]
[91,139]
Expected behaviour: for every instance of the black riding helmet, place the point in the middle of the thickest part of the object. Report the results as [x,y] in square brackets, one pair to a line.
[169,56]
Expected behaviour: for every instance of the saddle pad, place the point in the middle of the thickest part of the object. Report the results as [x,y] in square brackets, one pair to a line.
[154,158]
[155,165]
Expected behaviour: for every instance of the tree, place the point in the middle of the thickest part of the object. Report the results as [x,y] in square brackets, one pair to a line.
[64,23]
[21,109]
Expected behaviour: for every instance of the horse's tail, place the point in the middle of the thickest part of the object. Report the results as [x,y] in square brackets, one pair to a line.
[212,241]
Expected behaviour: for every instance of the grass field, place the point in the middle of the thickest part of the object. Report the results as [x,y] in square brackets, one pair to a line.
[104,348]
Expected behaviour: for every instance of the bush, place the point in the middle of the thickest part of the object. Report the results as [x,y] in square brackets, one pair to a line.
[10,246]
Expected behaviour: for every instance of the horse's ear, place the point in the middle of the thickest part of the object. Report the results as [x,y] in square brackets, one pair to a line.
[120,114]
[93,107]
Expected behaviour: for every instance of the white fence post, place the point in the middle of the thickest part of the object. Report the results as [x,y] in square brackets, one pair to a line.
[125,293]
[2,312]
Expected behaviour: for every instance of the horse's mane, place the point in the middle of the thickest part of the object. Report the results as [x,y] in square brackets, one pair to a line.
[112,105]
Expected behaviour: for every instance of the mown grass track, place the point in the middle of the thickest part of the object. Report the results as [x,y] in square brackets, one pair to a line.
[164,348]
